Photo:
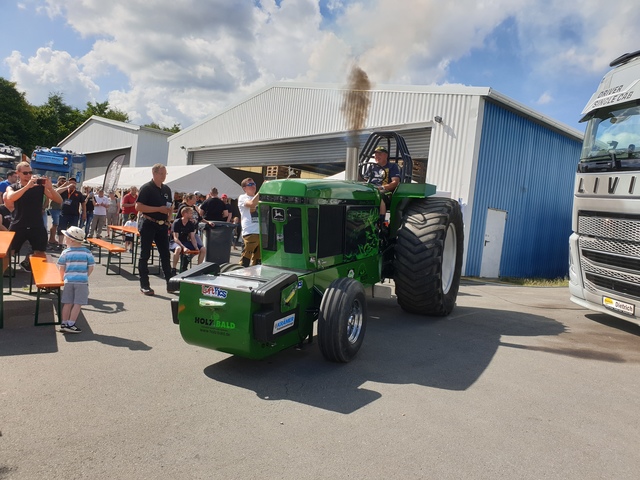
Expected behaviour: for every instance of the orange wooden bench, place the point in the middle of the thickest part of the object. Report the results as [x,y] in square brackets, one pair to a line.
[48,279]
[5,243]
[113,250]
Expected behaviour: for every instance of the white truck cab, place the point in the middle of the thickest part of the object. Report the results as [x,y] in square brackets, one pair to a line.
[604,256]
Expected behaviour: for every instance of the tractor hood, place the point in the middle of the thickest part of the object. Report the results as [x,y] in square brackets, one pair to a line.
[314,191]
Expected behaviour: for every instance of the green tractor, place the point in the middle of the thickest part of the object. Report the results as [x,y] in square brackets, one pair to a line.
[322,244]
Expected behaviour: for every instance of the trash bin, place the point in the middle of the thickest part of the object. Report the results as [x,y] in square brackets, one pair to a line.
[218,240]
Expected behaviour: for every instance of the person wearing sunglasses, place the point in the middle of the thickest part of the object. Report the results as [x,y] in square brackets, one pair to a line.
[25,199]
[248,204]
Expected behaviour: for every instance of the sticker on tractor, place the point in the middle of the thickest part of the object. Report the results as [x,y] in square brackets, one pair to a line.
[284,323]
[211,291]
[277,214]
[214,323]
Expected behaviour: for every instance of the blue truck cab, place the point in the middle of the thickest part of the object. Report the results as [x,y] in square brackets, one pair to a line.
[53,162]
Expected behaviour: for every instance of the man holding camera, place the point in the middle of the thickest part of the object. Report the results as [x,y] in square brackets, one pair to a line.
[25,199]
[72,201]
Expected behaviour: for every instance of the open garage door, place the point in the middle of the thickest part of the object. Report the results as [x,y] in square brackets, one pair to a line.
[301,153]
[98,162]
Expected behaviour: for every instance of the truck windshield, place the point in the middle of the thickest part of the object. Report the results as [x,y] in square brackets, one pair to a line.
[612,140]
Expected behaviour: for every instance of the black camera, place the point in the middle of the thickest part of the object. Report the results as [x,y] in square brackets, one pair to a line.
[41,181]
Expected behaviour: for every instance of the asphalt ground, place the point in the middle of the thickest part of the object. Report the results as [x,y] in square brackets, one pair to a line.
[517,382]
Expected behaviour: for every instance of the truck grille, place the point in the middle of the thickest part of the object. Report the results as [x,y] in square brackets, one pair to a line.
[614,285]
[624,229]
[612,260]
[610,252]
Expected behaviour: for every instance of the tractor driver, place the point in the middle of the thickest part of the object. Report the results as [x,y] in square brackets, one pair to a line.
[385,175]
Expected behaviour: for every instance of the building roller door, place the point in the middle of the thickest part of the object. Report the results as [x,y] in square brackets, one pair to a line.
[98,162]
[301,152]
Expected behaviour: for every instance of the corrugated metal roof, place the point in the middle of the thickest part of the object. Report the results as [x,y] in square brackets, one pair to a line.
[113,123]
[290,110]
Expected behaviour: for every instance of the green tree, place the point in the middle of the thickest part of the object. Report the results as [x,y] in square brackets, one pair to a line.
[17,119]
[103,110]
[55,120]
[175,129]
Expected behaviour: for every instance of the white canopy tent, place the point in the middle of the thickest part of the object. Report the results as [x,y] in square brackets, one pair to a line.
[183,178]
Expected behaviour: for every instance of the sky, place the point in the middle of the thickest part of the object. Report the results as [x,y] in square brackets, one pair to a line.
[179,61]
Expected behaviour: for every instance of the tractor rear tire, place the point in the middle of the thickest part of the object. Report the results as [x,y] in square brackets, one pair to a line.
[428,256]
[342,320]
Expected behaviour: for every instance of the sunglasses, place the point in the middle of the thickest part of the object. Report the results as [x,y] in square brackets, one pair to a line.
[252,184]
[27,173]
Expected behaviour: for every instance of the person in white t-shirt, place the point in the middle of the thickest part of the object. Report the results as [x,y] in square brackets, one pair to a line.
[128,237]
[99,221]
[248,204]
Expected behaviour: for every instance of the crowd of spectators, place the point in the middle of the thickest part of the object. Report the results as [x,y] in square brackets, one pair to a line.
[41,213]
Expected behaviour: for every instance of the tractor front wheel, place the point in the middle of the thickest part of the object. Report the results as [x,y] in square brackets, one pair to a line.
[342,320]
[428,256]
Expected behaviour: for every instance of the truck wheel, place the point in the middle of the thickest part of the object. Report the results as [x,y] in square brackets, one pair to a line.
[428,256]
[342,320]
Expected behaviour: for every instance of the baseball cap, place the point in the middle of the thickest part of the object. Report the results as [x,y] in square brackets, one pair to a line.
[224,195]
[74,233]
[196,193]
[381,149]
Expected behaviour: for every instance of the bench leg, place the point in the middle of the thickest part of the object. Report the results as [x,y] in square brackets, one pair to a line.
[109,256]
[59,313]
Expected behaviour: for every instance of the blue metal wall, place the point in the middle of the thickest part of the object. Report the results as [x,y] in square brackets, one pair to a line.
[528,170]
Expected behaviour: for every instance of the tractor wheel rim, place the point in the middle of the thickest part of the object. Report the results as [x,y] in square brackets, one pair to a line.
[354,323]
[449,258]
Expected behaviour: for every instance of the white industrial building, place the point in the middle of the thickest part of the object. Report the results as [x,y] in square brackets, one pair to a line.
[510,166]
[102,139]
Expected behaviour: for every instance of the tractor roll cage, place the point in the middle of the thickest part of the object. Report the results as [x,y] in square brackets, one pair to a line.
[401,155]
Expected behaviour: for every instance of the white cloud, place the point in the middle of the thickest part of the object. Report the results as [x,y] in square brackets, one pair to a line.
[51,71]
[185,59]
[544,99]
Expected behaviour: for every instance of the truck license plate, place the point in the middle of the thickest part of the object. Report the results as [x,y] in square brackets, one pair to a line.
[618,306]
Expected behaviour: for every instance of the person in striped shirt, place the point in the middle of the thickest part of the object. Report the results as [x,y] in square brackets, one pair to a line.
[76,263]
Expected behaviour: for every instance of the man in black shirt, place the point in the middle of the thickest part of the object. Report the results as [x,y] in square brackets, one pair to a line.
[184,231]
[214,209]
[25,199]
[72,202]
[189,200]
[155,204]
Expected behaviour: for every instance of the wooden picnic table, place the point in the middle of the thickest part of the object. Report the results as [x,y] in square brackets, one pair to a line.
[121,229]
[5,244]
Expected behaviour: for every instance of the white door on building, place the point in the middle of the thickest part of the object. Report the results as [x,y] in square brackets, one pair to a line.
[493,238]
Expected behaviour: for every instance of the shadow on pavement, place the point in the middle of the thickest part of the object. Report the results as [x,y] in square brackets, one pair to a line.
[87,335]
[615,322]
[449,353]
[45,338]
[104,306]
